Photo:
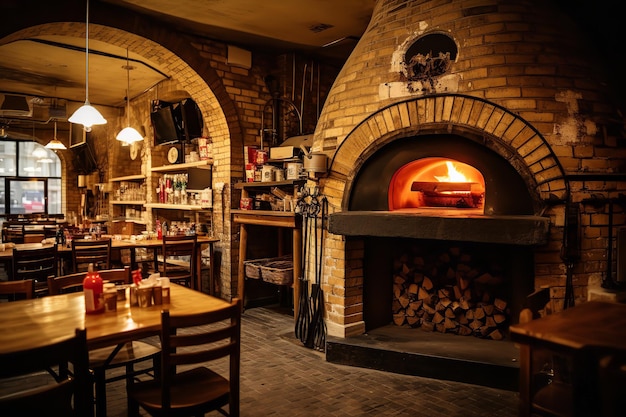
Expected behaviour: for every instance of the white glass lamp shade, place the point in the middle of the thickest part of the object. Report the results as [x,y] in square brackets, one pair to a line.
[129,135]
[87,116]
[56,144]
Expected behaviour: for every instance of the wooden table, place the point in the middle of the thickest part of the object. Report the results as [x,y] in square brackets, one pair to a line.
[7,254]
[273,219]
[581,336]
[40,321]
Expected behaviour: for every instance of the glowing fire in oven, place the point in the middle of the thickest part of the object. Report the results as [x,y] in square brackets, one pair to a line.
[453,174]
[436,182]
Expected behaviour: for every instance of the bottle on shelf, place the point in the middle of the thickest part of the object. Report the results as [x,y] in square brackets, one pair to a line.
[159,230]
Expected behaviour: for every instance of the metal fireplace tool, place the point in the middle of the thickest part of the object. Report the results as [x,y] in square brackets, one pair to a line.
[310,327]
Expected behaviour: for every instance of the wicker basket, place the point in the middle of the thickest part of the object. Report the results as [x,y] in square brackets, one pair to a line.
[253,269]
[278,271]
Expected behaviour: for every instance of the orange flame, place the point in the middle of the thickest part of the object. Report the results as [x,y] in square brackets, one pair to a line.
[454,175]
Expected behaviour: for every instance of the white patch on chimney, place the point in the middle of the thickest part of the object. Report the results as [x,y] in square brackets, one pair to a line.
[574,128]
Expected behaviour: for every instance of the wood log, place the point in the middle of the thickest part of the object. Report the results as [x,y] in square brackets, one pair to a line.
[438,318]
[462,282]
[423,294]
[428,308]
[404,300]
[457,292]
[443,293]
[427,284]
[395,306]
[416,305]
[413,321]
[500,304]
[398,289]
[495,335]
[397,279]
[488,309]
[464,330]
[449,313]
[427,326]
[475,324]
[450,324]
[413,289]
[399,319]
[500,318]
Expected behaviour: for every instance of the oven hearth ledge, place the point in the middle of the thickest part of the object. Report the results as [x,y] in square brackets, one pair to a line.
[443,224]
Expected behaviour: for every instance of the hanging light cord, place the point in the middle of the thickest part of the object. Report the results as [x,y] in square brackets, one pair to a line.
[87,56]
[127,89]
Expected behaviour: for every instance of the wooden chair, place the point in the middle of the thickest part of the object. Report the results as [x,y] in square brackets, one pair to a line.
[192,341]
[37,264]
[124,355]
[13,232]
[178,261]
[74,282]
[18,290]
[91,251]
[52,399]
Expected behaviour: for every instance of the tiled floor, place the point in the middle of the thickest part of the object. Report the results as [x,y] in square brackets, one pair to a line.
[280,377]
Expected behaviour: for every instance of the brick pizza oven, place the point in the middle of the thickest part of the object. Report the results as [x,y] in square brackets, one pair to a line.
[508,93]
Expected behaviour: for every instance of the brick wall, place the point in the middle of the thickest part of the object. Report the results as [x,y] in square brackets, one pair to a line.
[538,97]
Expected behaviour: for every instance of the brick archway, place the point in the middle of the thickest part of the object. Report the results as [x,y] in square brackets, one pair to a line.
[502,131]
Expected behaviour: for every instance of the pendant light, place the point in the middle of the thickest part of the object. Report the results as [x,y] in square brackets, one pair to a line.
[128,135]
[55,143]
[87,115]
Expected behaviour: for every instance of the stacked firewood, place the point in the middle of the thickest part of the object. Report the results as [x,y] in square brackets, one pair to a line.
[449,293]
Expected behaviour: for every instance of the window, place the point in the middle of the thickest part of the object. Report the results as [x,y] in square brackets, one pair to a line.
[30,179]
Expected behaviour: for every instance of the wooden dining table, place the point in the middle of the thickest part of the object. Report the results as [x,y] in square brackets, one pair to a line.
[43,321]
[133,244]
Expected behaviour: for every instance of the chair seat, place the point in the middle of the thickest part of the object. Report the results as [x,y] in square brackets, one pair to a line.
[131,352]
[201,387]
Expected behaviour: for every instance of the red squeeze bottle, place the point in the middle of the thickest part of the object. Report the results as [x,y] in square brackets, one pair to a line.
[137,276]
[92,288]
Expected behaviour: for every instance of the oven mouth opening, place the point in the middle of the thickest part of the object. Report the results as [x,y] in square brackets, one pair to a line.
[436,183]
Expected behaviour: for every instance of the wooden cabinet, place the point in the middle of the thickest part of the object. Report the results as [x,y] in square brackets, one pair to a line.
[269,218]
[127,204]
[181,197]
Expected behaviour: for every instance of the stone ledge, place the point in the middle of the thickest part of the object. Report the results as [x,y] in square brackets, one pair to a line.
[452,225]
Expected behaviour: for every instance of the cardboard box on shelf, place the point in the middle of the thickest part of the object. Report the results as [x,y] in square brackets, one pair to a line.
[284,152]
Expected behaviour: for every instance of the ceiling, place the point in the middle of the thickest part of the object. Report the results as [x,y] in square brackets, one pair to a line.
[47,70]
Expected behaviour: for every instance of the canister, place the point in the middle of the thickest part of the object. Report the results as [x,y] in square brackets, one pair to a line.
[293,170]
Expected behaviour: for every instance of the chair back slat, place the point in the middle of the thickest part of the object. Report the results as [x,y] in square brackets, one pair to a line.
[179,258]
[35,263]
[74,282]
[68,396]
[91,251]
[18,290]
[197,339]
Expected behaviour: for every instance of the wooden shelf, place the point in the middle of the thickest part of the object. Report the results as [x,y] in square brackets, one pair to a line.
[128,178]
[176,206]
[128,220]
[129,202]
[182,167]
[259,184]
